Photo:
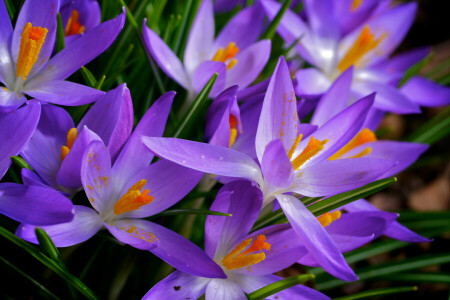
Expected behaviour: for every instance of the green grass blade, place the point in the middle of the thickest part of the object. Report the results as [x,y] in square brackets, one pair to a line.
[434,130]
[414,70]
[419,277]
[88,77]
[60,32]
[20,162]
[379,292]
[272,29]
[47,245]
[279,286]
[182,29]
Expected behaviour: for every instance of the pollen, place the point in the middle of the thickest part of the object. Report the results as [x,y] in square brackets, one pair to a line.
[30,45]
[329,217]
[227,54]
[364,43]
[314,146]
[364,136]
[73,25]
[133,199]
[355,5]
[241,256]
[71,137]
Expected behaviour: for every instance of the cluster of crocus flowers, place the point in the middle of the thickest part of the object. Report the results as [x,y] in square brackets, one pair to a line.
[256,142]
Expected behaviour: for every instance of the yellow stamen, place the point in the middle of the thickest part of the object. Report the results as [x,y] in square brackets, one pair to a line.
[363,137]
[233,129]
[364,43]
[294,146]
[229,52]
[71,137]
[133,199]
[355,5]
[327,218]
[238,258]
[73,25]
[30,45]
[314,146]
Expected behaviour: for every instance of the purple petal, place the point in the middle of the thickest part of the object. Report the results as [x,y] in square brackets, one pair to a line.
[254,90]
[426,92]
[39,14]
[335,100]
[134,232]
[279,118]
[224,290]
[96,176]
[348,17]
[164,57]
[214,224]
[276,166]
[16,129]
[9,101]
[6,64]
[311,83]
[89,12]
[322,20]
[205,158]
[201,38]
[341,175]
[205,71]
[82,50]
[31,178]
[84,225]
[43,151]
[111,117]
[315,238]
[250,63]
[64,93]
[178,285]
[134,156]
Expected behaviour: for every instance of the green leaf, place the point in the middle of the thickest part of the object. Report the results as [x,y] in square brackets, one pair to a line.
[198,102]
[11,9]
[279,286]
[334,202]
[379,292]
[413,70]
[48,246]
[20,162]
[434,130]
[175,212]
[272,29]
[49,263]
[418,277]
[88,77]
[190,11]
[60,35]
[99,84]
[130,16]
[309,200]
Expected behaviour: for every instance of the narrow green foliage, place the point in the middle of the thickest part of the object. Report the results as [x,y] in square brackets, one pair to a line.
[99,84]
[10,8]
[183,28]
[414,70]
[130,16]
[88,77]
[20,162]
[380,292]
[272,29]
[47,245]
[309,200]
[279,286]
[193,109]
[176,212]
[291,46]
[419,277]
[60,38]
[434,130]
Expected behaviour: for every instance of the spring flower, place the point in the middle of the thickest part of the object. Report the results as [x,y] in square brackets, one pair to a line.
[248,260]
[79,16]
[56,148]
[342,34]
[235,54]
[27,66]
[290,163]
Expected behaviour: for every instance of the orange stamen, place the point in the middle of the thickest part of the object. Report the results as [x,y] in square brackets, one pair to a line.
[233,129]
[224,55]
[355,5]
[295,145]
[314,146]
[327,218]
[133,199]
[73,25]
[239,258]
[30,45]
[71,137]
[363,137]
[364,43]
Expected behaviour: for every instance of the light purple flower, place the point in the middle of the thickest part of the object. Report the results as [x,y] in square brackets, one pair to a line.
[234,54]
[78,17]
[248,260]
[26,65]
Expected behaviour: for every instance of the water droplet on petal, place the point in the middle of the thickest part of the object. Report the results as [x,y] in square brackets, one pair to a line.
[202,156]
[221,158]
[183,161]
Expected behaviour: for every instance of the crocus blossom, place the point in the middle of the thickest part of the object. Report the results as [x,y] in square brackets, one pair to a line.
[234,54]
[248,260]
[78,17]
[288,163]
[363,37]
[27,66]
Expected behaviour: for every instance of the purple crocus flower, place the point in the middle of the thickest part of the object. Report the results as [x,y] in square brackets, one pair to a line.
[123,193]
[234,54]
[26,65]
[56,148]
[79,16]
[33,205]
[289,164]
[331,47]
[248,260]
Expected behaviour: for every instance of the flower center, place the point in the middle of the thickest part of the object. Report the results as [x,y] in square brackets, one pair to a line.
[329,217]
[133,199]
[363,137]
[71,137]
[233,129]
[30,45]
[314,146]
[355,5]
[364,43]
[239,257]
[223,55]
[73,26]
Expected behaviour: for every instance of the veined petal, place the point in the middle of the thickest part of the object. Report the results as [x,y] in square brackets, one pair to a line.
[323,21]
[224,289]
[9,101]
[276,166]
[205,158]
[205,71]
[6,64]
[311,83]
[426,92]
[31,178]
[315,238]
[134,232]
[84,225]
